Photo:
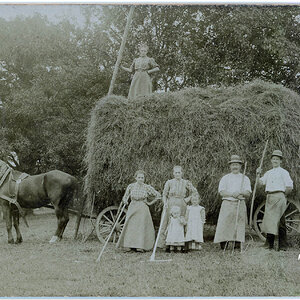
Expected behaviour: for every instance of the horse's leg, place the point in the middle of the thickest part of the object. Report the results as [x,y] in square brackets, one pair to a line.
[8,221]
[58,213]
[62,221]
[16,220]
[61,203]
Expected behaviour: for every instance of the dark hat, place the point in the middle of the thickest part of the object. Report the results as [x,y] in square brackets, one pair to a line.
[277,153]
[235,159]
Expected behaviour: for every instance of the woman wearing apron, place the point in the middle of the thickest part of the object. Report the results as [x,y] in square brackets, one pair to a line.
[177,192]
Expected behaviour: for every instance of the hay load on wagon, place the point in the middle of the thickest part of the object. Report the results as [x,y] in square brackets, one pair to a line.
[198,128]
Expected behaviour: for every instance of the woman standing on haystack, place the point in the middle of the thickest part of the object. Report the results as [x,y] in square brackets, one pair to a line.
[177,192]
[138,231]
[143,66]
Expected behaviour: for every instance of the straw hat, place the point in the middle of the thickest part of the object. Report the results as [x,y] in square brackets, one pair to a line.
[277,153]
[235,159]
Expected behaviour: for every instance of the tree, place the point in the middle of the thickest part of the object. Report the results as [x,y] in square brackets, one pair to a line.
[56,83]
[53,74]
[208,45]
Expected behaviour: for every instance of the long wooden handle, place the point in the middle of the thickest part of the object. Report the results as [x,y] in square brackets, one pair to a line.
[108,238]
[256,182]
[236,224]
[263,155]
[119,208]
[79,214]
[243,178]
[129,18]
[152,258]
[238,208]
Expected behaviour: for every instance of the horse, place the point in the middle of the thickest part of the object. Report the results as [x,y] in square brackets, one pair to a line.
[54,187]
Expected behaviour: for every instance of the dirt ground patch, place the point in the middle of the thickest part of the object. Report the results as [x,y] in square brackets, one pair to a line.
[68,268]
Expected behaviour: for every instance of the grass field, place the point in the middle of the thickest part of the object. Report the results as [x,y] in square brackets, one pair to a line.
[68,268]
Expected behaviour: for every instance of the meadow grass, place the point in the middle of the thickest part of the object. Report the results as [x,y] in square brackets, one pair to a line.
[69,268]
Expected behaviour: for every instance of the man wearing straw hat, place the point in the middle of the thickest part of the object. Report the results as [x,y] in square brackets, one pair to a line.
[278,183]
[234,188]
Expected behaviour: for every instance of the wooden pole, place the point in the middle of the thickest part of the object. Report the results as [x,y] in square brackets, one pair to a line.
[238,209]
[129,18]
[152,258]
[79,216]
[108,238]
[77,224]
[256,182]
[90,218]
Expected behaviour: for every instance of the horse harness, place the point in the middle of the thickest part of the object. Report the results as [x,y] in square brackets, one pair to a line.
[13,199]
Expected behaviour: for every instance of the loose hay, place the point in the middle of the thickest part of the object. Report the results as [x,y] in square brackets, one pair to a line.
[198,128]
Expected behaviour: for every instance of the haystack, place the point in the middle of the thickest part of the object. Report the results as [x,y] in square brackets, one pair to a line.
[197,128]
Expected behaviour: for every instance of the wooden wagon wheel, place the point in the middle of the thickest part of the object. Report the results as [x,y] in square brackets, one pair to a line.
[105,222]
[257,220]
[292,219]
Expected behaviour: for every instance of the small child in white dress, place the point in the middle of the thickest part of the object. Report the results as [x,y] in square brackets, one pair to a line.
[195,216]
[175,231]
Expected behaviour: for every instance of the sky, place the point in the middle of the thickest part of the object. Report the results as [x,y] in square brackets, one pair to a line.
[54,12]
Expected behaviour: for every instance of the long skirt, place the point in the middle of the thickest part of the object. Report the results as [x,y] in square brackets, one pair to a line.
[274,209]
[171,202]
[141,85]
[227,230]
[138,230]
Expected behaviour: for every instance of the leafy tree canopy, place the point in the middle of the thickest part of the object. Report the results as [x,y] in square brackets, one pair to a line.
[53,74]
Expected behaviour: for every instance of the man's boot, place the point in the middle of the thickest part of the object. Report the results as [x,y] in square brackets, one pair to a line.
[186,247]
[282,238]
[265,245]
[223,244]
[270,240]
[237,245]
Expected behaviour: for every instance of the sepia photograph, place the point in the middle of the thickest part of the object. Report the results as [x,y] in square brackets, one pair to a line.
[149,150]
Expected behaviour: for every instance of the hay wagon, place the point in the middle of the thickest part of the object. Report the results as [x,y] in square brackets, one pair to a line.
[140,132]
[107,217]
